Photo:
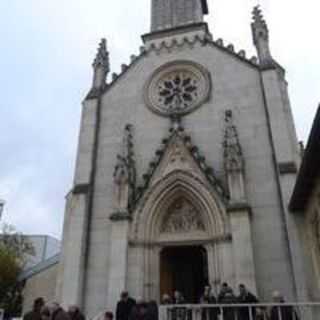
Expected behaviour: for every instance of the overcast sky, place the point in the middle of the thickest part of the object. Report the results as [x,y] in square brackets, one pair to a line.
[47,47]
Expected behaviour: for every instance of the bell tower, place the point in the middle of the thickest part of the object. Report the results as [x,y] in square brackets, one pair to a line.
[168,14]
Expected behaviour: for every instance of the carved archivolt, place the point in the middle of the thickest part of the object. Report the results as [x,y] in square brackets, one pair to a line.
[182,217]
[158,211]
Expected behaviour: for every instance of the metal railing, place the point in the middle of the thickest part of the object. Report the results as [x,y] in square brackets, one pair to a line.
[261,311]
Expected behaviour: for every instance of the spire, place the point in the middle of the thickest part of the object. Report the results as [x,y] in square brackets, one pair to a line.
[168,14]
[260,34]
[101,66]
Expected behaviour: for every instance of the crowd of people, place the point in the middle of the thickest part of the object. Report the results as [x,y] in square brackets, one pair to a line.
[227,297]
[214,308]
[53,311]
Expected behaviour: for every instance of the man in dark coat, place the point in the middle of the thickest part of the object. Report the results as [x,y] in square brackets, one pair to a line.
[75,313]
[35,314]
[287,312]
[139,311]
[227,296]
[124,306]
[223,291]
[246,297]
[57,313]
[152,310]
[209,298]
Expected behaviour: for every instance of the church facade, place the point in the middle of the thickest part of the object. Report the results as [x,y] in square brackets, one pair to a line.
[185,167]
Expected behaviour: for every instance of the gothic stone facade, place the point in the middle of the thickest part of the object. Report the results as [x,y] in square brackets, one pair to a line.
[191,145]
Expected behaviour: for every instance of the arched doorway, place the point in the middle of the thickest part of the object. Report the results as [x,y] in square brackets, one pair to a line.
[184,269]
[181,216]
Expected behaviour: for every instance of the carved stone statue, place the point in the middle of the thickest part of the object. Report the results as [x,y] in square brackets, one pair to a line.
[233,158]
[121,185]
[182,217]
[125,175]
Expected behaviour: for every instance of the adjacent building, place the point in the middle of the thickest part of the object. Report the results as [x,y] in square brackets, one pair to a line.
[39,276]
[305,205]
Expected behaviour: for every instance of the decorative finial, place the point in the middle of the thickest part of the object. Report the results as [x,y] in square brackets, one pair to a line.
[101,67]
[260,34]
[102,57]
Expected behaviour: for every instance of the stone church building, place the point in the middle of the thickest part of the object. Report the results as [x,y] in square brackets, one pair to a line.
[186,164]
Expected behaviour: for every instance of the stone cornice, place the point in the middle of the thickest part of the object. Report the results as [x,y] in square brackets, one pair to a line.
[81,189]
[239,207]
[120,216]
[288,168]
[149,244]
[175,31]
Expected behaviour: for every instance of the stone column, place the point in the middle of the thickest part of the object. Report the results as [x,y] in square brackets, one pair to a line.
[242,245]
[239,209]
[118,258]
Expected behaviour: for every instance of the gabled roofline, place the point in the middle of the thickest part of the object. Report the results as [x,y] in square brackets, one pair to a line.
[310,169]
[175,30]
[195,154]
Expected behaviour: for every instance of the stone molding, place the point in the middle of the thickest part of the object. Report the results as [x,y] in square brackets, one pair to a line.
[226,238]
[287,168]
[81,189]
[194,27]
[239,207]
[120,216]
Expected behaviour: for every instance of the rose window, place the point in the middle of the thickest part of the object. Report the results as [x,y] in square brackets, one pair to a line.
[177,88]
[177,92]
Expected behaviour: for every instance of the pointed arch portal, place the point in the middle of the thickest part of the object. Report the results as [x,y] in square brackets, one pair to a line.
[179,227]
